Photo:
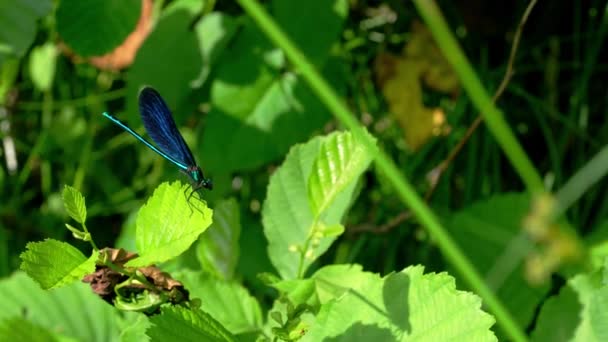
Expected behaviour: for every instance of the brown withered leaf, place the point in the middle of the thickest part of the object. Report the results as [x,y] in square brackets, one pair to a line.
[159,278]
[104,279]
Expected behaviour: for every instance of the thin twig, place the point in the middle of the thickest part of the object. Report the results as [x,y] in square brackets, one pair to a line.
[435,174]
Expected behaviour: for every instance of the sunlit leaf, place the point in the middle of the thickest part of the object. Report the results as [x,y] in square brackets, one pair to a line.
[74,310]
[181,324]
[291,225]
[340,161]
[55,263]
[74,204]
[403,306]
[42,65]
[168,224]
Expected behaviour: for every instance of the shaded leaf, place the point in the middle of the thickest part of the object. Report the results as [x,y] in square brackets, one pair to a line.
[218,248]
[172,51]
[18,22]
[558,317]
[124,54]
[228,302]
[213,32]
[489,233]
[95,27]
[274,109]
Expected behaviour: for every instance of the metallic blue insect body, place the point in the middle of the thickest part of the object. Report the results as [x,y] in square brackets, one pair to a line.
[161,127]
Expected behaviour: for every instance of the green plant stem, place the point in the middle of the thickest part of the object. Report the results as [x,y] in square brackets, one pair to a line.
[131,274]
[492,115]
[406,192]
[79,102]
[581,182]
[84,227]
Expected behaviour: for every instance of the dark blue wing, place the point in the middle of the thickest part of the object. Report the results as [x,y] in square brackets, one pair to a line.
[161,127]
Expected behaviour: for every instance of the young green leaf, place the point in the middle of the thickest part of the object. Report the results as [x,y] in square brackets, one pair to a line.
[55,263]
[74,204]
[403,306]
[42,65]
[181,324]
[340,161]
[168,224]
[295,232]
[218,248]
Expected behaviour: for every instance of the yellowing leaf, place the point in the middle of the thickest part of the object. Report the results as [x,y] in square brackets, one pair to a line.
[402,78]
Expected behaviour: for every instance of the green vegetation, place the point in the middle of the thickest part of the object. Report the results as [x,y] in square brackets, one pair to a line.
[381,171]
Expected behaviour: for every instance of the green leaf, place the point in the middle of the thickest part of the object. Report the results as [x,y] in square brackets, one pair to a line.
[218,248]
[74,204]
[74,311]
[558,317]
[299,291]
[18,22]
[489,233]
[18,329]
[301,21]
[95,27]
[55,263]
[274,110]
[228,302]
[181,324]
[42,65]
[404,306]
[167,224]
[213,32]
[593,297]
[340,161]
[172,51]
[295,234]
